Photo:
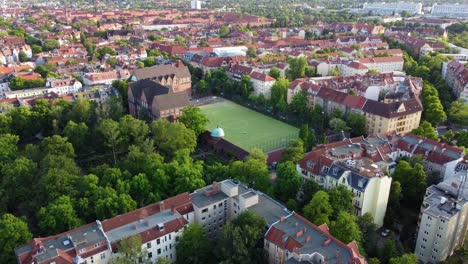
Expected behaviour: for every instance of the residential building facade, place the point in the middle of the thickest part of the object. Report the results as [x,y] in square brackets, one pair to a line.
[160,225]
[456,77]
[443,220]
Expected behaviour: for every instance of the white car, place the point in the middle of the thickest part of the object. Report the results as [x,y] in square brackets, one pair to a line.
[385,232]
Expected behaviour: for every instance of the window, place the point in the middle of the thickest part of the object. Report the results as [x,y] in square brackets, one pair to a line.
[159,251]
[170,237]
[103,255]
[204,210]
[214,206]
[148,245]
[97,244]
[150,255]
[220,204]
[158,241]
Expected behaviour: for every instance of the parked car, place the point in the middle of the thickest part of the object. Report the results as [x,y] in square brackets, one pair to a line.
[385,233]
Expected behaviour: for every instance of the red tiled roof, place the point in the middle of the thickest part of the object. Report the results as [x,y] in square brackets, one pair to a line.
[262,77]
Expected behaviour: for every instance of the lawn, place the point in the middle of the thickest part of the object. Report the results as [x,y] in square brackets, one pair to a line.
[248,129]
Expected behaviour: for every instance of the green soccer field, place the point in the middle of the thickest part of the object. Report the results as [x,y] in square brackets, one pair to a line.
[248,129]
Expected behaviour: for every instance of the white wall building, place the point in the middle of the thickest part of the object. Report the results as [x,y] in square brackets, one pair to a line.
[262,84]
[443,220]
[393,8]
[450,10]
[195,4]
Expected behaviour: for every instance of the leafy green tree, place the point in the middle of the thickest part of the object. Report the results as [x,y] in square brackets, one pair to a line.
[319,210]
[395,195]
[77,134]
[194,246]
[341,200]
[83,110]
[369,237]
[246,86]
[109,129]
[22,56]
[186,174]
[194,119]
[57,146]
[58,216]
[252,52]
[8,147]
[224,32]
[122,89]
[202,87]
[373,261]
[239,240]
[297,67]
[433,110]
[390,250]
[169,137]
[17,176]
[299,104]
[346,229]
[108,203]
[274,72]
[338,125]
[405,259]
[133,131]
[36,49]
[14,232]
[426,130]
[22,122]
[357,122]
[279,94]
[50,44]
[462,138]
[295,151]
[458,112]
[252,172]
[5,124]
[288,181]
[130,251]
[17,83]
[105,50]
[413,181]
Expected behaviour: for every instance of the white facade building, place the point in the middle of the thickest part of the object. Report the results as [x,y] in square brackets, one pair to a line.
[450,10]
[393,8]
[443,220]
[195,4]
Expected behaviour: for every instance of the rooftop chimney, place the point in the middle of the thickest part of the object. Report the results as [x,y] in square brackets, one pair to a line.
[307,239]
[135,226]
[161,206]
[326,242]
[299,233]
[282,218]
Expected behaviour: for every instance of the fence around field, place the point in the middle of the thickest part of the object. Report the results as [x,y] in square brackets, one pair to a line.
[275,143]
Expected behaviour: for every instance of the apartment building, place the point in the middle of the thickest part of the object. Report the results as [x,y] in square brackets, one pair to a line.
[450,10]
[443,220]
[159,225]
[94,78]
[85,244]
[393,8]
[293,239]
[439,157]
[360,66]
[357,163]
[262,84]
[456,77]
[400,116]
